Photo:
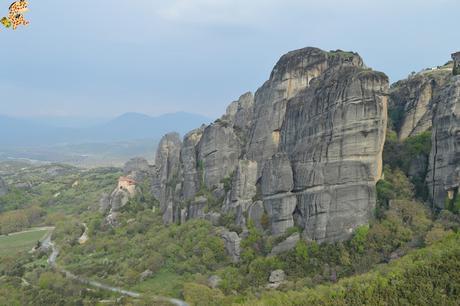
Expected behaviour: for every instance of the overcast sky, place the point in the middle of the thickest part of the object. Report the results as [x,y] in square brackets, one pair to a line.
[106,57]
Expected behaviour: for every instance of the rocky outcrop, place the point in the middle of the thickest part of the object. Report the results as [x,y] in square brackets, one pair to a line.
[120,196]
[214,281]
[277,176]
[145,275]
[196,209]
[3,187]
[256,214]
[292,74]
[428,101]
[218,153]
[444,169]
[232,244]
[334,133]
[243,188]
[276,279]
[286,245]
[304,151]
[135,171]
[239,113]
[166,179]
[412,101]
[456,59]
[189,162]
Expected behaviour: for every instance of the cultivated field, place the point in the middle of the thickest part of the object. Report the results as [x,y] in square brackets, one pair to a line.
[20,242]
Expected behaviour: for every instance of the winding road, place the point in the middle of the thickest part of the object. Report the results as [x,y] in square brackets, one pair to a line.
[49,244]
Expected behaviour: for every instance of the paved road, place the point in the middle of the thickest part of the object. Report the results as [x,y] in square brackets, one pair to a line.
[48,243]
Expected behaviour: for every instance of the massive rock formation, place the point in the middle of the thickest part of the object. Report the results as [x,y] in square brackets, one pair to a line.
[444,170]
[135,171]
[189,162]
[456,59]
[166,176]
[412,101]
[429,101]
[3,187]
[333,134]
[305,150]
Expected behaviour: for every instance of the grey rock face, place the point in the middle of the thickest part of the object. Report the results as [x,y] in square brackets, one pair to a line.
[281,209]
[277,276]
[305,150]
[214,281]
[118,198]
[244,184]
[277,176]
[218,153]
[188,158]
[413,100]
[286,245]
[104,203]
[219,192]
[334,138]
[444,170]
[213,217]
[456,68]
[135,170]
[256,212]
[232,244]
[244,112]
[196,208]
[418,166]
[293,73]
[145,275]
[3,187]
[166,177]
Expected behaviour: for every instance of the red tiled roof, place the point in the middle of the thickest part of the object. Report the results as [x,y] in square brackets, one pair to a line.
[127,179]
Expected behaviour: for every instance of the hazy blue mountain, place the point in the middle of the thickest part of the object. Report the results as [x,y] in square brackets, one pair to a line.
[25,132]
[109,142]
[130,126]
[69,121]
[139,126]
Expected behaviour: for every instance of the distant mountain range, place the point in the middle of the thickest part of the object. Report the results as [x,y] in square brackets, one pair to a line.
[19,132]
[89,143]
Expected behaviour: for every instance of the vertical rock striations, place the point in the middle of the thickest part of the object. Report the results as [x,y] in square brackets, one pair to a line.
[412,101]
[304,151]
[167,177]
[444,169]
[429,101]
[334,133]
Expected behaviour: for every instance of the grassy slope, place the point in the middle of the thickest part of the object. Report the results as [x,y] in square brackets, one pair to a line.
[424,277]
[10,245]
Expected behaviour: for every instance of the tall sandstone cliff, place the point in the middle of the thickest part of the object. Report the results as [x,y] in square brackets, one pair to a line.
[412,101]
[305,150]
[444,168]
[430,101]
